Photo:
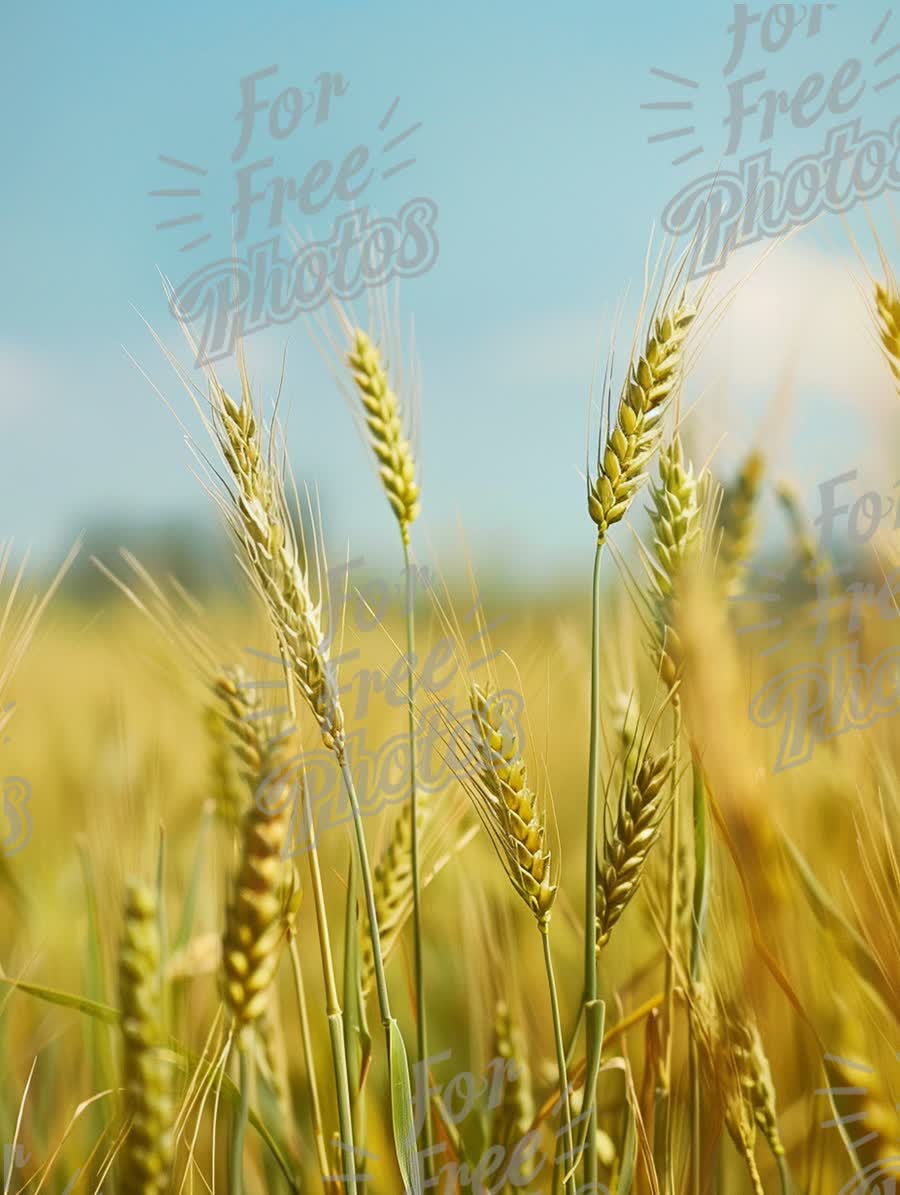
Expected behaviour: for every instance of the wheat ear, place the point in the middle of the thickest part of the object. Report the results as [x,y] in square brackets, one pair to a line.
[516,821]
[738,523]
[727,1052]
[515,1112]
[262,525]
[254,921]
[887,307]
[753,1074]
[621,470]
[396,466]
[626,848]
[147,1153]
[237,749]
[815,561]
[513,815]
[678,502]
[632,441]
[397,470]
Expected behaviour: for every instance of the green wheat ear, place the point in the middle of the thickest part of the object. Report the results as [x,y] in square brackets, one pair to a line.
[396,466]
[147,1153]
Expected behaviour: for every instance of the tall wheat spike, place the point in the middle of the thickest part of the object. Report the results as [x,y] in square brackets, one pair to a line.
[621,469]
[261,522]
[627,846]
[146,1157]
[396,466]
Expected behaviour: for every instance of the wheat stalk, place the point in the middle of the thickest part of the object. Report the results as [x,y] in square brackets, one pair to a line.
[627,847]
[623,457]
[397,471]
[396,466]
[148,1150]
[516,821]
[392,880]
[632,441]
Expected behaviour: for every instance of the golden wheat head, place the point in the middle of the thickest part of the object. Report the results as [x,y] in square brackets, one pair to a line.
[887,307]
[514,816]
[621,468]
[260,520]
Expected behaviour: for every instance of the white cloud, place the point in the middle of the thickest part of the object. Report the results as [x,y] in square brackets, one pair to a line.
[801,317]
[26,380]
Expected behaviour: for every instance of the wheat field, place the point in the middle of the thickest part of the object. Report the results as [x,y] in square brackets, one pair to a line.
[278,893]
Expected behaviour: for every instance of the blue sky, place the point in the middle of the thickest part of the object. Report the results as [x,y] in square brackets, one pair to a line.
[534,147]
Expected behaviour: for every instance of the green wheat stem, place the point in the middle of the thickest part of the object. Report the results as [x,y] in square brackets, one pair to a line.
[560,1057]
[701,868]
[699,908]
[401,1096]
[671,939]
[418,938]
[315,1106]
[333,1014]
[164,988]
[236,1169]
[384,1003]
[332,1002]
[590,880]
[696,1141]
